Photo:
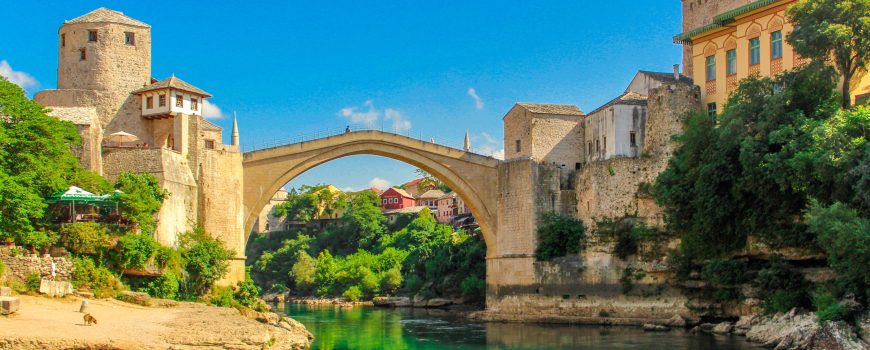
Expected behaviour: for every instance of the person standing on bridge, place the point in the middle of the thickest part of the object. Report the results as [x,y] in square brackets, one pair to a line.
[347,129]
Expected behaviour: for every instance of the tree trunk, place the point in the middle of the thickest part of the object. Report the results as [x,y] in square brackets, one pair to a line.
[847,81]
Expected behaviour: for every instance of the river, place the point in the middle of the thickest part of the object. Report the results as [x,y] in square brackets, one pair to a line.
[419,329]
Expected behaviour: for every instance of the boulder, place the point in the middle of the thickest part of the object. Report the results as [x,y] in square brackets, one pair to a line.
[745,322]
[9,305]
[676,321]
[723,328]
[438,302]
[707,327]
[138,298]
[392,301]
[5,292]
[649,327]
[268,318]
[55,288]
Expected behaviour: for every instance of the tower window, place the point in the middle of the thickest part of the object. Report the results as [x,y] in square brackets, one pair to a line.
[519,146]
[63,40]
[754,51]
[632,138]
[149,102]
[711,68]
[82,54]
[194,104]
[179,101]
[161,100]
[776,45]
[711,111]
[209,144]
[92,36]
[130,38]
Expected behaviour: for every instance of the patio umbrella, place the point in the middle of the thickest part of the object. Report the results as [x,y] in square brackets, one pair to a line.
[72,195]
[121,136]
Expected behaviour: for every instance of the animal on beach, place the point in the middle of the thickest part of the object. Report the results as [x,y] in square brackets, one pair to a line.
[90,320]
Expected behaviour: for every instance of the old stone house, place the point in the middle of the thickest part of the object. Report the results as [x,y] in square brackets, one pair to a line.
[104,86]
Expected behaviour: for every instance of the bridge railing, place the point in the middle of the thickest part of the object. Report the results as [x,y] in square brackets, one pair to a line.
[456,143]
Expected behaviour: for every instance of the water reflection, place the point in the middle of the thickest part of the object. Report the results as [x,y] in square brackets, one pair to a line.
[413,329]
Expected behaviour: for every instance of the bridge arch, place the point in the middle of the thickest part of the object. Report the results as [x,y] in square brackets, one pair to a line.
[474,177]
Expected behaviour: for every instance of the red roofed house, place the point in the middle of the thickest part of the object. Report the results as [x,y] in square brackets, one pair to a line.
[395,198]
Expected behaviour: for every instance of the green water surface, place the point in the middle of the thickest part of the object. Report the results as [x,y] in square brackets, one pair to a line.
[413,329]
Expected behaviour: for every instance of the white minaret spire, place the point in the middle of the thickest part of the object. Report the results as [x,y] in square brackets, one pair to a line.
[467,142]
[235,141]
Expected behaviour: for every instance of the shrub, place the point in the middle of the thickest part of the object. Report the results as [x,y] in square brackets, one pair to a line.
[2,270]
[353,293]
[168,259]
[164,286]
[86,238]
[781,287]
[142,197]
[221,296]
[845,237]
[558,236]
[413,283]
[247,293]
[724,273]
[135,250]
[98,280]
[629,276]
[391,281]
[32,282]
[473,288]
[303,271]
[205,260]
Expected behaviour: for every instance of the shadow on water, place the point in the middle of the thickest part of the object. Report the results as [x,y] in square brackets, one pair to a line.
[417,329]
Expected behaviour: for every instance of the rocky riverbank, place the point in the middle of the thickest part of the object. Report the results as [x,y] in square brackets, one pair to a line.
[45,323]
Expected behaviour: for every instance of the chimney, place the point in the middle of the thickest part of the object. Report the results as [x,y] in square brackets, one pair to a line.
[677,72]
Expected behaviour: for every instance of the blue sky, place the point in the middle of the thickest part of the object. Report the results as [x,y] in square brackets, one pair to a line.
[293,68]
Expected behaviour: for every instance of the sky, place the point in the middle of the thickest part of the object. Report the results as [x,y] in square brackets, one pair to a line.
[431,69]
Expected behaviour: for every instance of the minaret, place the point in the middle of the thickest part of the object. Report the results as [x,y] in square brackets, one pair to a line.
[235,141]
[467,145]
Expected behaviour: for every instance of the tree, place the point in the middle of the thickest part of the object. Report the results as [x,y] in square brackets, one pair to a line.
[35,162]
[141,198]
[303,271]
[364,220]
[205,260]
[833,28]
[558,236]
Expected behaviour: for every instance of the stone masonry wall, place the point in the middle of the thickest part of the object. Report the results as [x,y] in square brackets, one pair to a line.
[22,265]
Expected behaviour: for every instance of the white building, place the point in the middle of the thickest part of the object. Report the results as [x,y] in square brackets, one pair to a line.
[616,129]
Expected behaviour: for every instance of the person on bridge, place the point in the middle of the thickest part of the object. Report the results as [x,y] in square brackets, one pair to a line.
[347,129]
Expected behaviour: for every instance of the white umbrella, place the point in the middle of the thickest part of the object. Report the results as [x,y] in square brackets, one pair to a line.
[121,136]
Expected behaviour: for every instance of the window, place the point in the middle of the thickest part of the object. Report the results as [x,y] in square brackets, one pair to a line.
[711,68]
[754,51]
[194,104]
[82,54]
[632,138]
[130,38]
[776,44]
[63,40]
[711,111]
[384,201]
[149,102]
[161,100]
[209,144]
[92,36]
[731,58]
[179,101]
[519,146]
[597,146]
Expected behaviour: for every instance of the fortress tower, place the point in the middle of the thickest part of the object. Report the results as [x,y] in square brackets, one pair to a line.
[698,13]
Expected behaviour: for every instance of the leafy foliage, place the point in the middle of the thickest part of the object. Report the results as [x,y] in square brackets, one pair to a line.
[247,293]
[205,259]
[558,236]
[782,287]
[845,237]
[836,29]
[135,250]
[86,238]
[141,198]
[87,275]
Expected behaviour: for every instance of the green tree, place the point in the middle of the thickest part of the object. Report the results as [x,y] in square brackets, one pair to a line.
[838,29]
[303,271]
[324,274]
[35,162]
[391,280]
[141,198]
[364,221]
[845,237]
[205,260]
[558,236]
[135,250]
[86,238]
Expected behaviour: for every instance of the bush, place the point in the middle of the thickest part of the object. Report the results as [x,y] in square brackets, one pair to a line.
[135,250]
[221,296]
[473,288]
[164,286]
[141,198]
[205,260]
[247,293]
[32,282]
[845,237]
[413,283]
[391,281]
[781,287]
[353,293]
[724,273]
[558,236]
[86,238]
[99,280]
[2,270]
[303,271]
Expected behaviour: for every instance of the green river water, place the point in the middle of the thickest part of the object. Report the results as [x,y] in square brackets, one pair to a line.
[418,329]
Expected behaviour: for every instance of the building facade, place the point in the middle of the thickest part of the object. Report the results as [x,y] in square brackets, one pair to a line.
[429,199]
[104,86]
[396,198]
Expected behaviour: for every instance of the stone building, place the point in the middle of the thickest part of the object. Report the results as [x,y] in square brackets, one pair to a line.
[104,86]
[726,41]
[269,221]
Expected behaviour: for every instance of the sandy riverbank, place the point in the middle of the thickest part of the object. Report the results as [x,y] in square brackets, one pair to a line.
[45,323]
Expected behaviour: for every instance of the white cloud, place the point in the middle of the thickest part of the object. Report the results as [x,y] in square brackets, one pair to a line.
[19,78]
[379,183]
[489,145]
[348,189]
[478,102]
[356,116]
[211,110]
[400,124]
[488,138]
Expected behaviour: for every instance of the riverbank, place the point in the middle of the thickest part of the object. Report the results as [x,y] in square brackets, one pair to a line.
[46,323]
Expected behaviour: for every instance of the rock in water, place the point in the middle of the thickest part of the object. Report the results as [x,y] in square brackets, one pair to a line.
[649,327]
[723,328]
[677,321]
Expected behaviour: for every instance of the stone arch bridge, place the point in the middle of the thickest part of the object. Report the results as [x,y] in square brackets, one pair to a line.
[474,177]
